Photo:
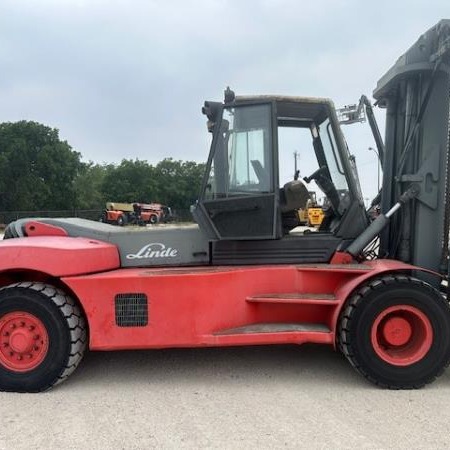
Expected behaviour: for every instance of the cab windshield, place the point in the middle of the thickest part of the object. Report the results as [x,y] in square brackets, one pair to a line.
[336,171]
[242,162]
[243,159]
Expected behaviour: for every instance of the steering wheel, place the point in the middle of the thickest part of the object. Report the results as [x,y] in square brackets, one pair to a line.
[326,185]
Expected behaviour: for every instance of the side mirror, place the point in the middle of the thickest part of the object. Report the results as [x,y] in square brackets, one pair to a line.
[211,111]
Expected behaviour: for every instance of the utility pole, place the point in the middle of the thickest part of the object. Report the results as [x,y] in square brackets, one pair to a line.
[296,155]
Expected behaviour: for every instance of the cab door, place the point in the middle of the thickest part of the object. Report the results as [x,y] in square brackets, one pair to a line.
[239,199]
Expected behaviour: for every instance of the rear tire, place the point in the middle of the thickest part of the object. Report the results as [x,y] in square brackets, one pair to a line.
[42,337]
[153,219]
[395,331]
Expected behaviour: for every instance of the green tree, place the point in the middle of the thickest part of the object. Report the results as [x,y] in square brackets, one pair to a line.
[173,183]
[130,181]
[37,169]
[178,182]
[88,186]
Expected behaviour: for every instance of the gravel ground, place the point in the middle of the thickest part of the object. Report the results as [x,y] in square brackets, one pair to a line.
[232,398]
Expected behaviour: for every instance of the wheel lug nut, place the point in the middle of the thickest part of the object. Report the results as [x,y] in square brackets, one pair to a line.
[5,344]
[19,358]
[5,334]
[12,326]
[36,348]
[36,337]
[22,324]
[31,327]
[30,356]
[11,353]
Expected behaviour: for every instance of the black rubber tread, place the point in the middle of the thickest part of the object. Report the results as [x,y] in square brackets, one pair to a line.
[13,230]
[73,322]
[357,301]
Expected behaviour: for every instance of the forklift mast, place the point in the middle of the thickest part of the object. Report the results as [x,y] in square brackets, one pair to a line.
[416,94]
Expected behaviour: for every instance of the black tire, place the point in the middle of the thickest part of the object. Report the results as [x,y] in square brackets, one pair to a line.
[153,219]
[395,331]
[104,217]
[122,220]
[66,338]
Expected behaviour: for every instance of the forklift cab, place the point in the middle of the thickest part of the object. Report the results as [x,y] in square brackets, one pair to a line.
[241,196]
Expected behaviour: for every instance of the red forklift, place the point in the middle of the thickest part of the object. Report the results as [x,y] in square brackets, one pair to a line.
[136,214]
[244,275]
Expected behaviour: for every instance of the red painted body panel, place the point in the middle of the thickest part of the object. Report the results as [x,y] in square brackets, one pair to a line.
[202,306]
[114,215]
[35,228]
[58,256]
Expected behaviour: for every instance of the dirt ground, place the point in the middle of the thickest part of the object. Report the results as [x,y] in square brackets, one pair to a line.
[233,398]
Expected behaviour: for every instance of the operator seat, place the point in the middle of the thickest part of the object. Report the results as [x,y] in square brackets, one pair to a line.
[294,195]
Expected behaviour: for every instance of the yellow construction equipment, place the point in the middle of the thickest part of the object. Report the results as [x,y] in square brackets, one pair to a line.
[312,215]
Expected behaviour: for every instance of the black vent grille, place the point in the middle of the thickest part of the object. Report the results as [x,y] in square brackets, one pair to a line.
[131,310]
[311,248]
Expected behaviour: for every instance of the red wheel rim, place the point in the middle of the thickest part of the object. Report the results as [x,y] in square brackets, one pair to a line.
[402,335]
[23,341]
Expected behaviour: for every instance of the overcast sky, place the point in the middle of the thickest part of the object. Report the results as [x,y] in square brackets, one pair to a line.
[127,79]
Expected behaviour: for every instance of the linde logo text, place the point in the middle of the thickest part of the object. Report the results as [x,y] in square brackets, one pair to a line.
[154,250]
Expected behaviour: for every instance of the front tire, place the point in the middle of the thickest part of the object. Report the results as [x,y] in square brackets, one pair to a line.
[395,331]
[43,337]
[122,220]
